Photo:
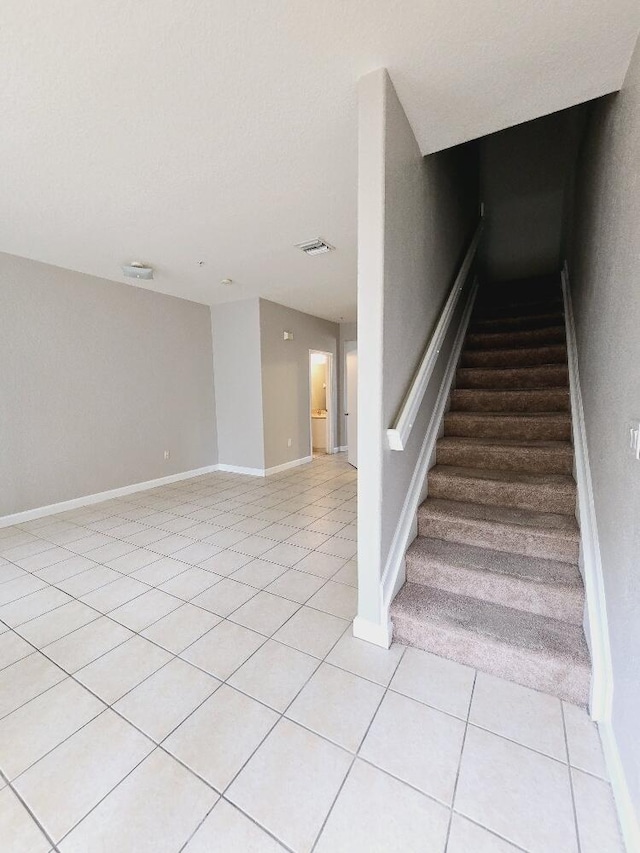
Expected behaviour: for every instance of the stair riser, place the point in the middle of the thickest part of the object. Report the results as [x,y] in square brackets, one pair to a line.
[554,498]
[518,378]
[514,340]
[501,537]
[528,460]
[516,323]
[508,358]
[472,400]
[557,602]
[504,427]
[523,666]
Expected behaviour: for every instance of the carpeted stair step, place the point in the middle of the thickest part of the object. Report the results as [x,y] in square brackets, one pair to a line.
[550,536]
[538,652]
[531,306]
[546,587]
[534,457]
[544,376]
[533,400]
[514,339]
[522,357]
[555,492]
[542,426]
[516,323]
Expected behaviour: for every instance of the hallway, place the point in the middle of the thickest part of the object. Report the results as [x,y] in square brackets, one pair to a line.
[178,674]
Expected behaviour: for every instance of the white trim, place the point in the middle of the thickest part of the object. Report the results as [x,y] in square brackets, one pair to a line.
[87,500]
[340,449]
[240,469]
[399,434]
[624,804]
[394,574]
[286,465]
[379,635]
[598,629]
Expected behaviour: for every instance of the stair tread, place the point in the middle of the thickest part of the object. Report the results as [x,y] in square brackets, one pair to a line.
[487,560]
[514,628]
[537,444]
[533,416]
[503,476]
[543,522]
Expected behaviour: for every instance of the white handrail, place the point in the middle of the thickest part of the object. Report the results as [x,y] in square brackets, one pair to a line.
[399,434]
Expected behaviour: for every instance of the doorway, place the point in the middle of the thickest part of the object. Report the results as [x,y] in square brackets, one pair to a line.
[321,402]
[351,400]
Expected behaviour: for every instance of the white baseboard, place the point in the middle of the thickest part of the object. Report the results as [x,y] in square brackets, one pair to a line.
[394,572]
[598,628]
[286,465]
[87,500]
[340,449]
[239,469]
[624,804]
[372,632]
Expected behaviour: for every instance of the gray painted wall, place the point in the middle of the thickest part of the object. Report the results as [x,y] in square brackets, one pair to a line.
[97,380]
[525,175]
[238,383]
[348,332]
[605,271]
[285,378]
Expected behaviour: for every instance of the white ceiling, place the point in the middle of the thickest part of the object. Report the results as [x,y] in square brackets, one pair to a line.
[225,130]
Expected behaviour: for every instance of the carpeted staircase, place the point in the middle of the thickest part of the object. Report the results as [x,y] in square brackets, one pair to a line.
[493,579]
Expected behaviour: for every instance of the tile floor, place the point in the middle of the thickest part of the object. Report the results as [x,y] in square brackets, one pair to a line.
[177,673]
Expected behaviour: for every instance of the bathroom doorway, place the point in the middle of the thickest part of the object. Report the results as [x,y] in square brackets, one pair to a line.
[321,402]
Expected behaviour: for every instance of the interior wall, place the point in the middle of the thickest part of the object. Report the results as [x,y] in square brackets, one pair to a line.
[604,274]
[526,173]
[238,383]
[97,380]
[416,217]
[348,332]
[285,378]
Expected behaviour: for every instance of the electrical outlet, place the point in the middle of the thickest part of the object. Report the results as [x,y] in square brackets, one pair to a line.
[633,434]
[167,455]
[289,442]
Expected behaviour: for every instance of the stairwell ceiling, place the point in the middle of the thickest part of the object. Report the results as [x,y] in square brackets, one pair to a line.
[225,131]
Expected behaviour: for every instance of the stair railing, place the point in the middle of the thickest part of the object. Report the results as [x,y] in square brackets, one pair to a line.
[398,434]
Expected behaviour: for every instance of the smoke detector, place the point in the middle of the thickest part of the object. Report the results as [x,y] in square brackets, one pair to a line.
[136,269]
[315,247]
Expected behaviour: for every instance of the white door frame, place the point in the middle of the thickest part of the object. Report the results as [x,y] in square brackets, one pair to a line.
[331,401]
[348,346]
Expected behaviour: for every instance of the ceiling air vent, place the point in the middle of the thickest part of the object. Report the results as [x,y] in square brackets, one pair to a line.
[315,247]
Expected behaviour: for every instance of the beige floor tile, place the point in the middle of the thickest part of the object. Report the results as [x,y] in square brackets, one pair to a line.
[307,538]
[13,648]
[73,565]
[217,739]
[64,785]
[146,609]
[521,795]
[438,682]
[252,546]
[296,586]
[44,558]
[55,624]
[17,825]
[288,786]
[226,829]
[322,565]
[583,741]
[32,606]
[37,727]
[337,705]
[338,546]
[417,744]
[181,627]
[118,671]
[258,573]
[85,644]
[134,560]
[468,837]
[337,599]
[170,544]
[330,528]
[365,659]
[26,679]
[162,701]
[347,574]
[225,597]
[154,810]
[286,554]
[160,571]
[226,562]
[115,594]
[518,713]
[311,631]
[223,649]
[360,819]
[598,827]
[19,587]
[264,613]
[190,583]
[196,553]
[274,674]
[110,551]
[88,580]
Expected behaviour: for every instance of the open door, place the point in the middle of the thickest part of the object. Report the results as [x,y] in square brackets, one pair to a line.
[351,413]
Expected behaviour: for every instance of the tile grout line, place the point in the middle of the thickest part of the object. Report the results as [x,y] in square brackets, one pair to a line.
[571,788]
[464,739]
